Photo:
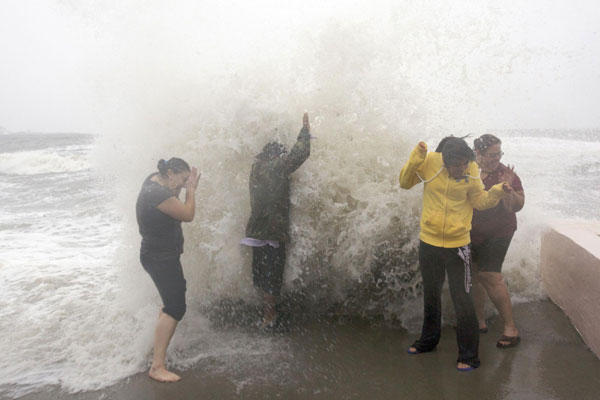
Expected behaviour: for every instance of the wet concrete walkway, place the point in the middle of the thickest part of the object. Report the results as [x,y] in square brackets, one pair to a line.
[358,361]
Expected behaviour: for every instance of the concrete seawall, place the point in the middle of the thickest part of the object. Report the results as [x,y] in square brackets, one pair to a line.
[570,265]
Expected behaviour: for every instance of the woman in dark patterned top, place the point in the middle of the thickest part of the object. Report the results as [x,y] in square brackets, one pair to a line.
[159,215]
[491,234]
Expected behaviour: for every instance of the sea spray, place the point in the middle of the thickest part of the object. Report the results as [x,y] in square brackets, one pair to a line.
[372,90]
[181,81]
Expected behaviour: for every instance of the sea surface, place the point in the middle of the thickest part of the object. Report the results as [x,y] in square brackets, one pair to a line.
[77,310]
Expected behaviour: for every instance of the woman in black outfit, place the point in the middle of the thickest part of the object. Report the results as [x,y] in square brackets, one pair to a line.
[159,215]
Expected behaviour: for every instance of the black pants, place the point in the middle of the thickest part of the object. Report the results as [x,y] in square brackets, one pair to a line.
[489,255]
[435,262]
[267,268]
[167,274]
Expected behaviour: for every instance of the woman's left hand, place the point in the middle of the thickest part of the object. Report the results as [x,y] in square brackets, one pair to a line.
[192,181]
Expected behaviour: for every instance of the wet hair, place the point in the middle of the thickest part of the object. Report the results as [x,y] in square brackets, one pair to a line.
[174,164]
[272,150]
[482,143]
[455,149]
[441,144]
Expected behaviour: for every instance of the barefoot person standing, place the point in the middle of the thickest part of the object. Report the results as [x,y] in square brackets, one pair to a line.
[491,235]
[267,230]
[159,215]
[452,189]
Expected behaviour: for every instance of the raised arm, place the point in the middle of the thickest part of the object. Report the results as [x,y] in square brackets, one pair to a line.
[185,211]
[408,175]
[301,150]
[515,200]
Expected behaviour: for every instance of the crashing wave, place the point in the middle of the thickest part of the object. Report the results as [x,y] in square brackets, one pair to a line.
[42,162]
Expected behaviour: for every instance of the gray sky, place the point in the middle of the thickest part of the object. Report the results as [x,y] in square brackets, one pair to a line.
[58,56]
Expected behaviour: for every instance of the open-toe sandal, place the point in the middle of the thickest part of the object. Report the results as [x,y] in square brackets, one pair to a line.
[506,342]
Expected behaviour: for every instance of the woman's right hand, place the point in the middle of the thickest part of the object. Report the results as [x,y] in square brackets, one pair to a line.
[305,122]
[192,181]
[507,188]
[508,175]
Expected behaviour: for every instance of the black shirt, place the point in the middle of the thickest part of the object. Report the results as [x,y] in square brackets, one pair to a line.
[161,234]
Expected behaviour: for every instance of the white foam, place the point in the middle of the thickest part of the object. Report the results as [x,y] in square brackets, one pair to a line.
[46,161]
[80,307]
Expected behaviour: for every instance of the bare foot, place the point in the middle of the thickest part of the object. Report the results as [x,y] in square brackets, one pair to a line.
[267,322]
[162,375]
[464,367]
[510,331]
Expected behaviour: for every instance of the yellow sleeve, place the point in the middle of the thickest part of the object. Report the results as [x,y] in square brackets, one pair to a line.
[408,175]
[481,199]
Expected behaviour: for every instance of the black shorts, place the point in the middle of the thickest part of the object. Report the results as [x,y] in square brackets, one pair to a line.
[167,274]
[489,255]
[267,268]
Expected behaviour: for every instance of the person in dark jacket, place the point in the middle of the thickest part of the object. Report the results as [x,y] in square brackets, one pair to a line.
[159,215]
[267,229]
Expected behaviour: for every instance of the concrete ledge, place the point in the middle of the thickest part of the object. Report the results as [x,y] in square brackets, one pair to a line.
[570,267]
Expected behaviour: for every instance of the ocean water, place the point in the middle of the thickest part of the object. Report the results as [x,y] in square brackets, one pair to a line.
[77,310]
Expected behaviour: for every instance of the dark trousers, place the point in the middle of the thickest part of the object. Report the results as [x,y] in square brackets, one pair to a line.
[167,274]
[434,263]
[267,268]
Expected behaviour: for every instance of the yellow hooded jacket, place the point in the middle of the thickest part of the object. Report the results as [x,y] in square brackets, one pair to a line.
[447,203]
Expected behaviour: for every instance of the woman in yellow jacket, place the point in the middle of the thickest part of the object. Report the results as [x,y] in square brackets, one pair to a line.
[452,189]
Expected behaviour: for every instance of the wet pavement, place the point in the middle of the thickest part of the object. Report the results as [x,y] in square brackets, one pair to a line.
[356,360]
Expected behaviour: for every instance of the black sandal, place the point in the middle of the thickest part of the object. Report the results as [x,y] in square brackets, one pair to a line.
[509,341]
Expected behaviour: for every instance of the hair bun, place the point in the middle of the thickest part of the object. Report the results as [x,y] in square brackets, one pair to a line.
[162,166]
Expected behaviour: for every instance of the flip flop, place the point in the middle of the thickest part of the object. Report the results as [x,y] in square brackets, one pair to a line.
[465,369]
[513,341]
[410,351]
